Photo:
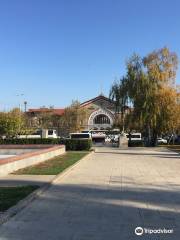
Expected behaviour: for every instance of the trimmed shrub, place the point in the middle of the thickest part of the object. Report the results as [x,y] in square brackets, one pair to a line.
[71,144]
[23,141]
[77,144]
[135,143]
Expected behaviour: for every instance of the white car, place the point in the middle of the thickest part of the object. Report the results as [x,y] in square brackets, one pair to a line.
[134,136]
[162,140]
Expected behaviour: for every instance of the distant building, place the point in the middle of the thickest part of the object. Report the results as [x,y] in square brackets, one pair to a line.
[101,113]
[34,112]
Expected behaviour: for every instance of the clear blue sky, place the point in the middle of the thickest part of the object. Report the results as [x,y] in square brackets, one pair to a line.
[54,51]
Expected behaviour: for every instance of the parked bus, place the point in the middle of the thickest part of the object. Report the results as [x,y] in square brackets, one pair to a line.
[41,133]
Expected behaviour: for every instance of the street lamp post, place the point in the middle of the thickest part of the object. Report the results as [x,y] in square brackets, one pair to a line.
[25,106]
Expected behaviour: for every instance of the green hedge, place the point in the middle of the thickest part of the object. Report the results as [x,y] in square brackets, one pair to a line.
[71,144]
[23,141]
[135,143]
[77,144]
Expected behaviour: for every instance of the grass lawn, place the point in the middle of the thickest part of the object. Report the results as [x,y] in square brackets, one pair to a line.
[54,165]
[9,196]
[175,148]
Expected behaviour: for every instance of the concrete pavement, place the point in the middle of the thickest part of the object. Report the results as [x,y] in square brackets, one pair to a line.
[105,197]
[13,180]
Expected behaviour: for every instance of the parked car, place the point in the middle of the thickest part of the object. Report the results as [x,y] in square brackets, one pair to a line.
[161,140]
[134,136]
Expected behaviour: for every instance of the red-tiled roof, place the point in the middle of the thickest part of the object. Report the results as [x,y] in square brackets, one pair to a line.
[60,111]
[56,111]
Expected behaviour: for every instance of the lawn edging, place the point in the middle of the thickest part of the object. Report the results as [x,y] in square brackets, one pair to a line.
[4,217]
[11,164]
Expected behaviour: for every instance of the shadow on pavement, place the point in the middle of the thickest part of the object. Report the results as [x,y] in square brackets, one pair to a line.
[105,212]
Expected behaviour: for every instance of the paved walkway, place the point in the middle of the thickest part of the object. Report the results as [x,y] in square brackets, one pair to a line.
[13,180]
[104,198]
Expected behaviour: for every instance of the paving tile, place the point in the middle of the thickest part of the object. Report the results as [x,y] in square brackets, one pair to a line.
[105,198]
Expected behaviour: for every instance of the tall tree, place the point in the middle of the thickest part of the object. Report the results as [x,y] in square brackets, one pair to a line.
[118,94]
[45,120]
[12,123]
[73,118]
[150,87]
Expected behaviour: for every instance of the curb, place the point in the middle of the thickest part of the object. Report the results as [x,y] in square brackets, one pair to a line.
[172,150]
[4,217]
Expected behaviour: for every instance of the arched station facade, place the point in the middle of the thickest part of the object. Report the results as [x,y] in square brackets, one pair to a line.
[101,113]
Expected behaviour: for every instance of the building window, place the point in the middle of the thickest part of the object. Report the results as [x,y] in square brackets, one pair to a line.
[101,119]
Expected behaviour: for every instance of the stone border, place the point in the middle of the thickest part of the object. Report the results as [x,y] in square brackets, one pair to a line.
[4,217]
[30,154]
[11,164]
[24,146]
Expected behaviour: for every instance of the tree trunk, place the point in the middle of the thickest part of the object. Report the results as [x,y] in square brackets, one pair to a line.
[149,135]
[154,139]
